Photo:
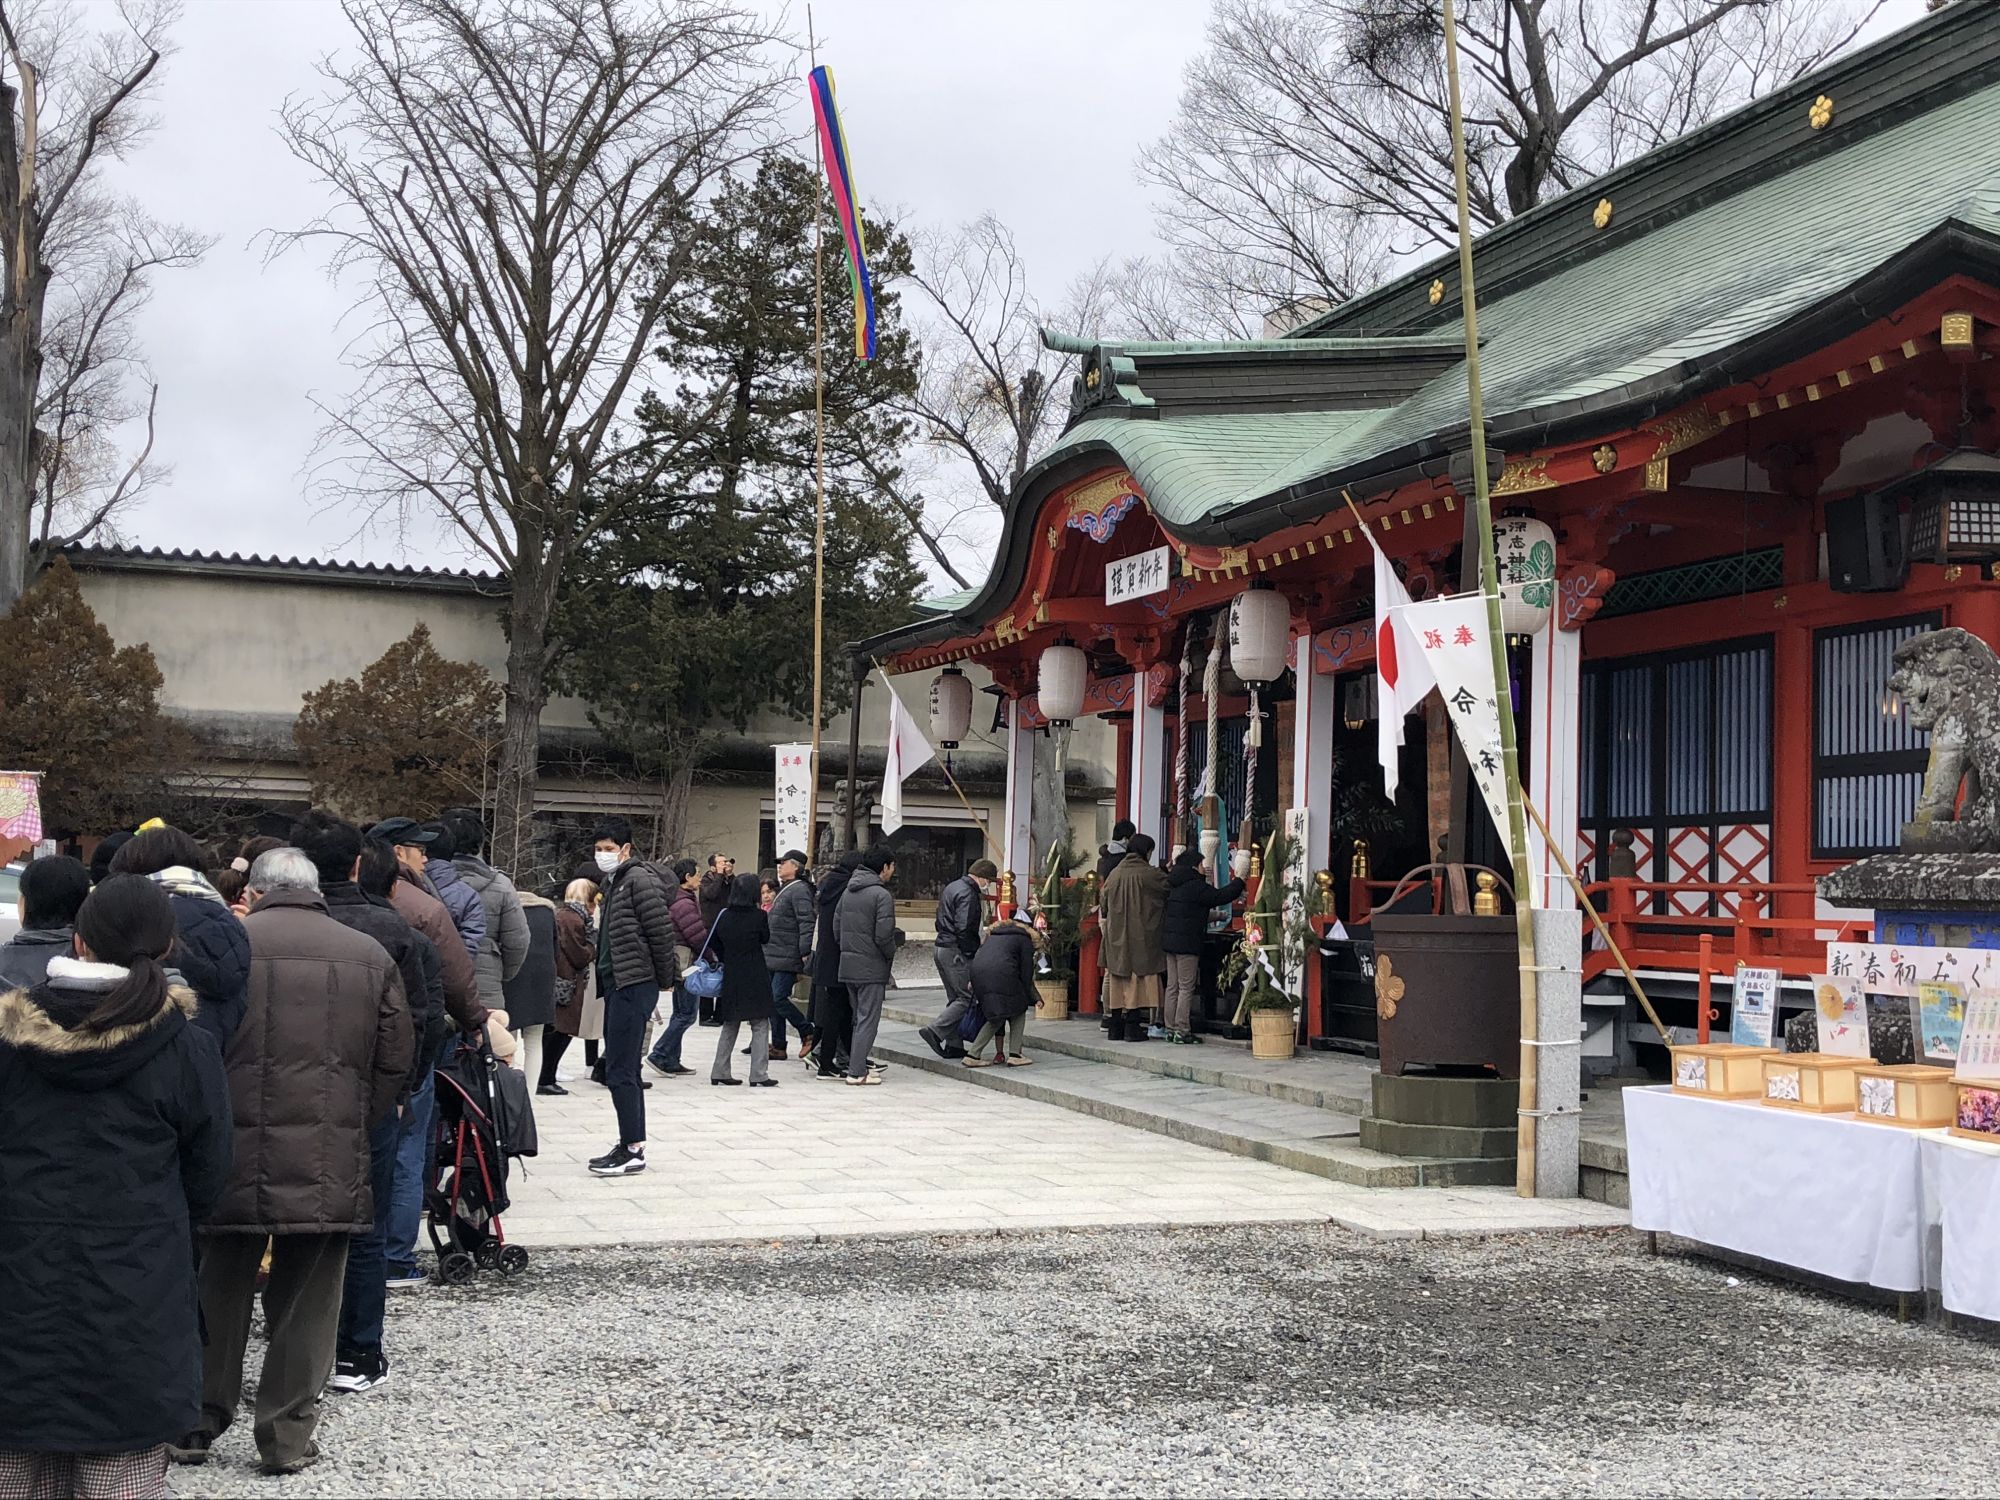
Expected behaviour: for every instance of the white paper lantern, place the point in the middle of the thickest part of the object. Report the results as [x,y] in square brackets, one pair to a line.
[951,708]
[1259,627]
[1059,682]
[1526,551]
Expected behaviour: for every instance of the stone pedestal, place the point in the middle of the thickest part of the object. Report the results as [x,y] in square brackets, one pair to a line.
[1929,900]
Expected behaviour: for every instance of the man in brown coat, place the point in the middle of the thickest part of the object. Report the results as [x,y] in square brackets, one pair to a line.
[323,1052]
[1133,910]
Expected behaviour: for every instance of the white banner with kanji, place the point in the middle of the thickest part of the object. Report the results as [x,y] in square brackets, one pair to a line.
[1451,633]
[793,801]
[20,805]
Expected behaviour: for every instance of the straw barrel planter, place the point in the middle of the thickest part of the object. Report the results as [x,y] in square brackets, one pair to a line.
[1054,1002]
[1273,1034]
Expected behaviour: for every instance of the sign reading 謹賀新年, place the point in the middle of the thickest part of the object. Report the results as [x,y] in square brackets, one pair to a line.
[1139,576]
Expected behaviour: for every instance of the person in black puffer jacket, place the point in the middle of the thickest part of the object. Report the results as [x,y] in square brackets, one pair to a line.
[211,951]
[1003,985]
[833,1014]
[116,1115]
[1190,898]
[635,962]
[337,851]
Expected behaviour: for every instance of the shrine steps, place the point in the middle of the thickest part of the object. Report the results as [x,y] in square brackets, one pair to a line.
[1305,1115]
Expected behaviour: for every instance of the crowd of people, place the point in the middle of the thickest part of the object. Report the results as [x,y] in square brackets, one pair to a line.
[219,1079]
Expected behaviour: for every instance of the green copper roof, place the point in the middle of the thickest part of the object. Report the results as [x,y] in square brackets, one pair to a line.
[1654,306]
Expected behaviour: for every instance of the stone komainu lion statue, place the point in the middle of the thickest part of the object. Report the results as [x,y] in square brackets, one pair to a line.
[1950,682]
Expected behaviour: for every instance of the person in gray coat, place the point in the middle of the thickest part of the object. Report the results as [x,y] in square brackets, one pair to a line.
[503,947]
[786,954]
[866,921]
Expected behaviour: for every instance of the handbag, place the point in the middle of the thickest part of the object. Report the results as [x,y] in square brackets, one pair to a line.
[703,977]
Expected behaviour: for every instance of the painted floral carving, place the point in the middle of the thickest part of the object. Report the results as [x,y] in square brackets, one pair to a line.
[1389,987]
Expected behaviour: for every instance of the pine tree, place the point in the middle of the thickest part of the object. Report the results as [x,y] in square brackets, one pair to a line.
[698,614]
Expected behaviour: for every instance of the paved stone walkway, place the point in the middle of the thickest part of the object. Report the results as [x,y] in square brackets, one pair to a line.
[929,1155]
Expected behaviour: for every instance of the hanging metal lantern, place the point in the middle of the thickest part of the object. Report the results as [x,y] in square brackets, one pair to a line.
[1059,683]
[1259,631]
[1526,550]
[951,708]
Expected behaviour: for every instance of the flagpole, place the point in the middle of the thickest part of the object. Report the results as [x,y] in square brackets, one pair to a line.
[1489,574]
[819,479]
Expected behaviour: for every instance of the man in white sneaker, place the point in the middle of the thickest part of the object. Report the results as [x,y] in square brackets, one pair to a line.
[867,923]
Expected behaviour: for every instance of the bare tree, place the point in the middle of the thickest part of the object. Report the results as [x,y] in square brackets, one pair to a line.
[991,396]
[1312,141]
[513,185]
[95,379]
[76,262]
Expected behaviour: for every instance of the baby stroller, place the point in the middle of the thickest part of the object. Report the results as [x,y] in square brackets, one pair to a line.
[471,1145]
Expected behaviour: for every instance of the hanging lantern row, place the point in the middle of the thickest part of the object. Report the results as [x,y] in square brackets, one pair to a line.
[1525,548]
[951,708]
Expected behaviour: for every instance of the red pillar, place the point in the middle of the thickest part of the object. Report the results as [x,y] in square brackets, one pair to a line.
[1123,809]
[1089,973]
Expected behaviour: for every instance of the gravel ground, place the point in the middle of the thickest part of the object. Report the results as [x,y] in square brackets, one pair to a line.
[1240,1361]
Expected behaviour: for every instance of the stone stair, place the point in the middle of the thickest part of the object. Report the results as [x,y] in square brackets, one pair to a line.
[1307,1115]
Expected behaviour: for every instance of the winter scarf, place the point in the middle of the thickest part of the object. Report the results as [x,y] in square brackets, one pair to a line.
[179,880]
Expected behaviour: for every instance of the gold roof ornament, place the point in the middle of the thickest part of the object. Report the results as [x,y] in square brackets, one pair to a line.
[1437,291]
[1601,215]
[1604,458]
[1821,114]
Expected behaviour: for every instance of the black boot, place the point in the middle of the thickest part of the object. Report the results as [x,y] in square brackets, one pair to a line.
[1114,1026]
[1137,1023]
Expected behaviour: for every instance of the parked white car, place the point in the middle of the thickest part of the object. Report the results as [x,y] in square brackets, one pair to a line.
[10,898]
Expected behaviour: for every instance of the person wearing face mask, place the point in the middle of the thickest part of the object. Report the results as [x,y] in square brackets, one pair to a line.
[635,962]
[960,909]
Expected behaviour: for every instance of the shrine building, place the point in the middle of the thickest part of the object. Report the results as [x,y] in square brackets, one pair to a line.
[1742,413]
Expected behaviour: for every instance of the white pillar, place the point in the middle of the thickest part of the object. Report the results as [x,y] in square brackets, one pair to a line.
[1312,756]
[1148,768]
[1017,838]
[1555,767]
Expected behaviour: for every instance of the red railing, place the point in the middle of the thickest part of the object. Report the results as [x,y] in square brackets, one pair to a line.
[1646,920]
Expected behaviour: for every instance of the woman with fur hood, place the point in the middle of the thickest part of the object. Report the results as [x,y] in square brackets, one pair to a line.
[116,1112]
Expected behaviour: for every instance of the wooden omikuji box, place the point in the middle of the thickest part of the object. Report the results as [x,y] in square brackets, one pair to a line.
[1976,1115]
[1913,1095]
[1816,1082]
[1720,1070]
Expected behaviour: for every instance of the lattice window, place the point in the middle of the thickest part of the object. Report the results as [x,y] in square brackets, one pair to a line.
[1695,582]
[1868,759]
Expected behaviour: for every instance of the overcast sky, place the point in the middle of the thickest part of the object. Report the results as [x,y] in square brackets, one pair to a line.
[1032,109]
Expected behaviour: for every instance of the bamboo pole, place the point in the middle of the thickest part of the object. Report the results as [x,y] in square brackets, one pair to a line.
[1489,577]
[1597,920]
[819,476]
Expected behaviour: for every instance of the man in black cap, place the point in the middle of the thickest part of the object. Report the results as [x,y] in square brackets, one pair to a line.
[793,918]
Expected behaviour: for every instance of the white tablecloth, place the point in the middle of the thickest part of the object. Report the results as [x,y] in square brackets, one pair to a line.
[1821,1193]
[1963,1179]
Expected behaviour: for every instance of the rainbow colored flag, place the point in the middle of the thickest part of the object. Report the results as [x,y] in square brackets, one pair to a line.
[840,179]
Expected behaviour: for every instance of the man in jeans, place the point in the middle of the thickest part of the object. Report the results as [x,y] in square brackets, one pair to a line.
[690,936]
[635,961]
[867,925]
[960,907]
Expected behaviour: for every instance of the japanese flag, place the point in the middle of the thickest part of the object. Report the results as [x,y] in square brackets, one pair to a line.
[908,750]
[1404,676]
